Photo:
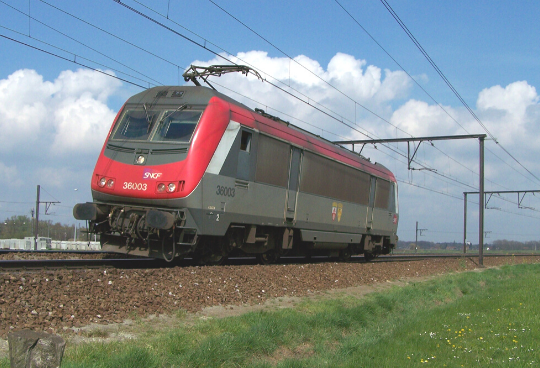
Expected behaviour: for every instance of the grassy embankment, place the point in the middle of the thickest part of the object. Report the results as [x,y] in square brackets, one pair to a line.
[466,319]
[472,253]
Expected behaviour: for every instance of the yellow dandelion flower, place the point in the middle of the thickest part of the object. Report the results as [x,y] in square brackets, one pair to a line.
[408,357]
[481,338]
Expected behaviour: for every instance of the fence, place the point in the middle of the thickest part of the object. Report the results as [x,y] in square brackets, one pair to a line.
[46,243]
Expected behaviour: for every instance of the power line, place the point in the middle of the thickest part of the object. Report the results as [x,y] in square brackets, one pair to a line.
[338,90]
[78,56]
[322,112]
[273,84]
[79,42]
[10,202]
[430,96]
[456,93]
[278,87]
[351,127]
[71,61]
[110,34]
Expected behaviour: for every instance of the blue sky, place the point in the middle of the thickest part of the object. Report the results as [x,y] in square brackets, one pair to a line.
[54,114]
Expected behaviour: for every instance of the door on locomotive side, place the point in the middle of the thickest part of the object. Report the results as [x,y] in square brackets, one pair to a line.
[244,155]
[293,183]
[384,206]
[372,190]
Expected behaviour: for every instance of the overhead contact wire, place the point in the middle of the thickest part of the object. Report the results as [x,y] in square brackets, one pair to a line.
[81,43]
[456,93]
[71,61]
[338,90]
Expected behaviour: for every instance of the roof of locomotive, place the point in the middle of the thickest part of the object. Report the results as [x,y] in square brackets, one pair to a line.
[200,95]
[195,95]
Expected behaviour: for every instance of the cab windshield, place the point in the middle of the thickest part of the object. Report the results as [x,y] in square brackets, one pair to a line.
[172,125]
[135,125]
[176,126]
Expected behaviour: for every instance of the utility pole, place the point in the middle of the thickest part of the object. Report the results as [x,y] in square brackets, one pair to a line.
[417,231]
[481,206]
[36,225]
[483,202]
[410,159]
[464,222]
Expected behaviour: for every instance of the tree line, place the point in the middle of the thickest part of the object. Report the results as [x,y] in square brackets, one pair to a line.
[19,227]
[495,245]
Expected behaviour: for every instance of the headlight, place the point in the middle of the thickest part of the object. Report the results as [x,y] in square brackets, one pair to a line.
[161,187]
[102,182]
[110,183]
[140,160]
[171,187]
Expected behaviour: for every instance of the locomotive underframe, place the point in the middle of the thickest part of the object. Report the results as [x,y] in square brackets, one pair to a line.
[175,234]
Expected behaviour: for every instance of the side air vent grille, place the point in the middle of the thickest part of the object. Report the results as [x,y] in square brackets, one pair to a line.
[120,148]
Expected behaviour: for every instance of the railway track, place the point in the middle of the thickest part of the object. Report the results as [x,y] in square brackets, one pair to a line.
[151,263]
[51,264]
[65,298]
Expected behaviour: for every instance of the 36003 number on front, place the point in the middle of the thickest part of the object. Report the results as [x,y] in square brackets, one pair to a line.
[134,186]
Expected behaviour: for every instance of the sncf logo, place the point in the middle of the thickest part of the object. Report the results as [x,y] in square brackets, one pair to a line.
[151,175]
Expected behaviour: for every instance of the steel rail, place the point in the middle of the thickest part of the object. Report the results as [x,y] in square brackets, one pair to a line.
[151,263]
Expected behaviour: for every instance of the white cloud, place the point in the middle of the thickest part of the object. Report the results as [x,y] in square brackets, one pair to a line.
[421,119]
[514,99]
[81,125]
[23,107]
[344,76]
[511,113]
[72,84]
[67,115]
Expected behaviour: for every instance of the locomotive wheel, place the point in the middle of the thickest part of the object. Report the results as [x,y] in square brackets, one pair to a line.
[268,257]
[211,259]
[345,254]
[214,253]
[369,256]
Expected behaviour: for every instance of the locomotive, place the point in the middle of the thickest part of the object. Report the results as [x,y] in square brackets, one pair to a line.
[188,172]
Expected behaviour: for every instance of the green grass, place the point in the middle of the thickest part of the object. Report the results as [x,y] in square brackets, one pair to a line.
[459,250]
[466,319]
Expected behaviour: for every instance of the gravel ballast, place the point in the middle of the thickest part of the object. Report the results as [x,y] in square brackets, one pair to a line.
[58,301]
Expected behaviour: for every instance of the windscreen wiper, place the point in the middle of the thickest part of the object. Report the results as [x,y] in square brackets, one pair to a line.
[179,108]
[148,120]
